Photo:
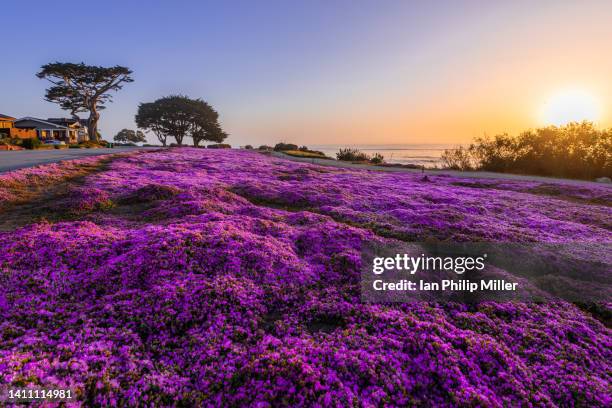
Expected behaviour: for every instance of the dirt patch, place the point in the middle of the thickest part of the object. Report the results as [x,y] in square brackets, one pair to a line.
[560,193]
[149,193]
[33,202]
[271,202]
[325,324]
[472,184]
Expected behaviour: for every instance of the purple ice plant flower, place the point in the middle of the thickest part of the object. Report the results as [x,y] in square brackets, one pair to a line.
[198,277]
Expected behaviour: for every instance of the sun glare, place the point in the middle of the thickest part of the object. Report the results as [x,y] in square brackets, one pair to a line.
[570,106]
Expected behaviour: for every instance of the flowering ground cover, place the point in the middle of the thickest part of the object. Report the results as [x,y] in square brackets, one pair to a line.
[208,278]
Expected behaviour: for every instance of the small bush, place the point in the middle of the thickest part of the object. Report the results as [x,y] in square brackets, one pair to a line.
[219,146]
[377,158]
[265,148]
[248,147]
[280,147]
[31,143]
[349,154]
[457,159]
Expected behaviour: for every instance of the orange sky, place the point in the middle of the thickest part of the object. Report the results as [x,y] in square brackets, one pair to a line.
[333,72]
[484,75]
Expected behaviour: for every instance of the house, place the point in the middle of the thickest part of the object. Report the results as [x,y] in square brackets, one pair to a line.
[6,121]
[80,125]
[66,130]
[8,129]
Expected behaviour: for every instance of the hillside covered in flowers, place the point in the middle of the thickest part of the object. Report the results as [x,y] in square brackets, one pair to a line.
[209,278]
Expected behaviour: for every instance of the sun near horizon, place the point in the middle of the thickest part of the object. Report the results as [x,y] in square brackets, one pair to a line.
[330,74]
[571,105]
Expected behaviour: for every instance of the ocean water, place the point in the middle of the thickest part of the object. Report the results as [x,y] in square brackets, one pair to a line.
[427,155]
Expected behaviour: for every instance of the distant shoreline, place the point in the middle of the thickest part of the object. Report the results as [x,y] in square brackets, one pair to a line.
[443,172]
[420,154]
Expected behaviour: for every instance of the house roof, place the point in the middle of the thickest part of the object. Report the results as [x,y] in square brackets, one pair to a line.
[41,121]
[6,117]
[64,121]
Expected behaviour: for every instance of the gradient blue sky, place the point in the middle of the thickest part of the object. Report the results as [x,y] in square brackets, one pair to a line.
[316,72]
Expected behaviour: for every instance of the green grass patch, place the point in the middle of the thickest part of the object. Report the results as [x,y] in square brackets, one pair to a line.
[309,154]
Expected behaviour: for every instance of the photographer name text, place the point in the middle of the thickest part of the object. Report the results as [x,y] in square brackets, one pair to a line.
[445,285]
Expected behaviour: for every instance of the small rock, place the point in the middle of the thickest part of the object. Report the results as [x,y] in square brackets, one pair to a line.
[603,180]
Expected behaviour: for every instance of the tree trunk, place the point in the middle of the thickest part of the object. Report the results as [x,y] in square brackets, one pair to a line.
[161,137]
[179,139]
[92,124]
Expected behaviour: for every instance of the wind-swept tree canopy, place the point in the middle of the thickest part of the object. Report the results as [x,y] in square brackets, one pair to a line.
[68,100]
[150,117]
[80,88]
[130,136]
[205,124]
[178,116]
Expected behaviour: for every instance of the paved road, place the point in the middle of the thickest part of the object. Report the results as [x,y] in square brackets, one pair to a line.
[12,160]
[456,173]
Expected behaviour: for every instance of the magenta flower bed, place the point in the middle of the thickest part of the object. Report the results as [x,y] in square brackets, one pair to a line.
[229,278]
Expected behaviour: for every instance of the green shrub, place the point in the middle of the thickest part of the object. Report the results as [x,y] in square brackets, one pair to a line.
[91,144]
[459,158]
[248,147]
[576,150]
[279,147]
[312,154]
[377,158]
[265,148]
[31,143]
[219,146]
[349,154]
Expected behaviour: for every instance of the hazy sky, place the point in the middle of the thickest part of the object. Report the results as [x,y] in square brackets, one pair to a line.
[315,72]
